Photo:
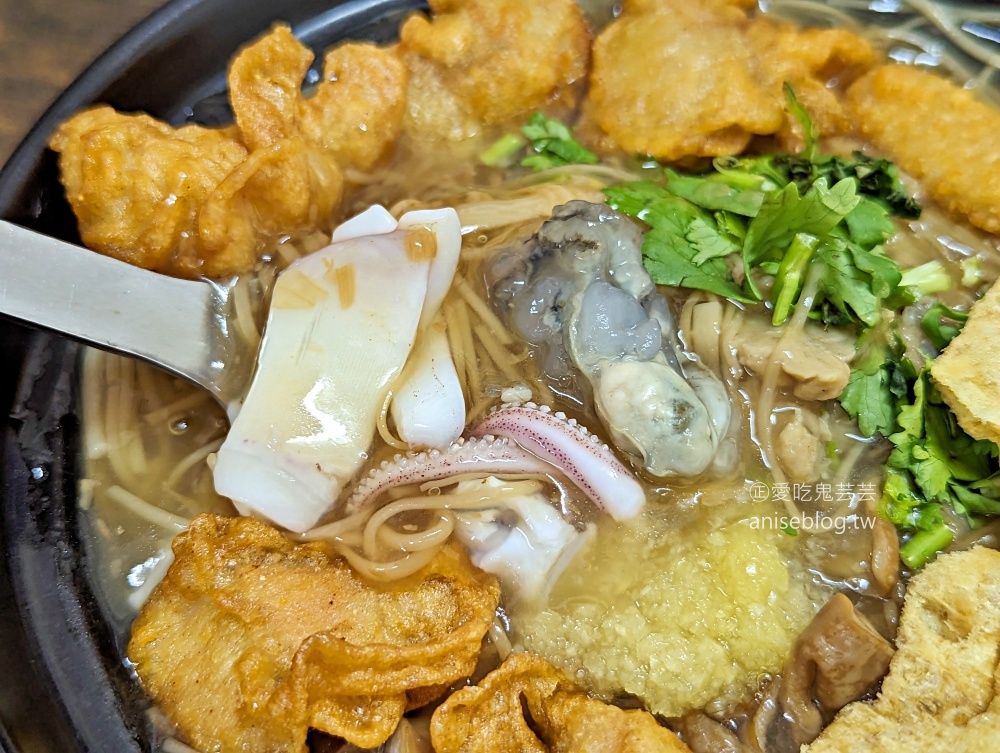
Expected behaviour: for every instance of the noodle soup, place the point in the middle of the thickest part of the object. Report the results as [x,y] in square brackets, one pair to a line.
[693,606]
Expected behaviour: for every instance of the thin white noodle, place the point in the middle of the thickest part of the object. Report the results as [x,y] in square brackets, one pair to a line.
[95,442]
[192,506]
[464,329]
[376,539]
[265,280]
[425,543]
[147,511]
[843,474]
[545,395]
[115,432]
[189,461]
[85,493]
[182,404]
[769,383]
[153,578]
[287,251]
[245,324]
[173,745]
[150,394]
[606,173]
[500,357]
[406,565]
[128,405]
[383,426]
[951,28]
[439,484]
[478,305]
[498,637]
[456,344]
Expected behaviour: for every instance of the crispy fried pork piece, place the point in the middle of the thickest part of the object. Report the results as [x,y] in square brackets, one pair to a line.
[936,131]
[941,694]
[677,79]
[353,117]
[966,374]
[482,62]
[250,640]
[528,705]
[137,186]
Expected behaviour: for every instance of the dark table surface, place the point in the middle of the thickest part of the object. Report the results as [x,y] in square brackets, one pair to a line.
[44,44]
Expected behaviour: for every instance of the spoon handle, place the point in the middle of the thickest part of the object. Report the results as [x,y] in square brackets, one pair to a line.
[179,325]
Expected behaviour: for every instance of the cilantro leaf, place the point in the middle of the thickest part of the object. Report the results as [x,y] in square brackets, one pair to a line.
[935,324]
[885,275]
[706,239]
[715,194]
[553,144]
[681,248]
[872,389]
[869,223]
[845,286]
[785,213]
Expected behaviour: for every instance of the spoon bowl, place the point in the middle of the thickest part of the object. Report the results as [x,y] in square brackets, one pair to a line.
[182,326]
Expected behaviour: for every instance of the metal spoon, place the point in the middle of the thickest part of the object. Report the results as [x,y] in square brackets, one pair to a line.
[181,326]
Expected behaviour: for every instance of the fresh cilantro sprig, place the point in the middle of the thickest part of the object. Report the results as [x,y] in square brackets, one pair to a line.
[548,142]
[704,228]
[946,467]
[934,464]
[779,216]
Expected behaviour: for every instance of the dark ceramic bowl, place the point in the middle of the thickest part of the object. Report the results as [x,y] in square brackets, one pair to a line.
[63,686]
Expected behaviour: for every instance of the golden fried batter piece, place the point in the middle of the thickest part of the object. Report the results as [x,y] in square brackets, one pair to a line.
[491,717]
[356,113]
[137,185]
[939,133]
[250,639]
[195,201]
[966,372]
[353,117]
[483,62]
[809,59]
[942,693]
[677,79]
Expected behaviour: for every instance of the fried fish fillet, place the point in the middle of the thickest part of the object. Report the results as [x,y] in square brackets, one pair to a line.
[941,693]
[482,62]
[250,640]
[966,374]
[527,705]
[939,133]
[676,79]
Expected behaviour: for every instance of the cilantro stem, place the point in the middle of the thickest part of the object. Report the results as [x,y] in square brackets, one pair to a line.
[924,544]
[809,134]
[791,275]
[501,150]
